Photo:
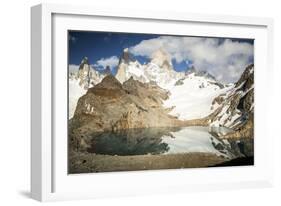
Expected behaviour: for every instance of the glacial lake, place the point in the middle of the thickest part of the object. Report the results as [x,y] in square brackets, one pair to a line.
[162,141]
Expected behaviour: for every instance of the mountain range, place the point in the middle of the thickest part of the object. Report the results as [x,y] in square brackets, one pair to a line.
[155,95]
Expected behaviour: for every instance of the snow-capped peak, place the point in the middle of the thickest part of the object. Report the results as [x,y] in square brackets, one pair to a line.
[161,58]
[84,61]
[200,73]
[126,50]
[190,70]
[159,69]
[126,57]
[129,67]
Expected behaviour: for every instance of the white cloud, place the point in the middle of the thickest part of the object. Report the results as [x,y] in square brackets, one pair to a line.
[226,59]
[111,62]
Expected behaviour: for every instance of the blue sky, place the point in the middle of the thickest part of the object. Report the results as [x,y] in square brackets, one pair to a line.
[104,48]
[98,45]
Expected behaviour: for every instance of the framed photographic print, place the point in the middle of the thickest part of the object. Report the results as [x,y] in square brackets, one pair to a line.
[135,102]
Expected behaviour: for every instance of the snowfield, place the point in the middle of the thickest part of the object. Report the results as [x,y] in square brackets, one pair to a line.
[193,99]
[75,92]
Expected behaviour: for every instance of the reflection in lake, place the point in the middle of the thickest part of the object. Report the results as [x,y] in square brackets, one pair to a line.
[131,141]
[163,141]
[193,139]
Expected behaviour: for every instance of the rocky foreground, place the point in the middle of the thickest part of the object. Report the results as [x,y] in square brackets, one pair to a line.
[88,163]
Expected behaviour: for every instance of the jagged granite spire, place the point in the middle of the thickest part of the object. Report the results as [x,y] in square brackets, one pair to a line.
[126,57]
[128,66]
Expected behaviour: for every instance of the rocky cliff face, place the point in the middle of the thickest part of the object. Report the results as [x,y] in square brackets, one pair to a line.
[111,106]
[129,67]
[158,70]
[80,81]
[88,76]
[161,58]
[235,108]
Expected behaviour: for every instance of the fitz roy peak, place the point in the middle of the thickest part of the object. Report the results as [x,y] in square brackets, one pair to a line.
[159,70]
[129,67]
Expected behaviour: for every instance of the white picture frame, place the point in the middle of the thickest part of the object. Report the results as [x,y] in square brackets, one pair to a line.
[49,181]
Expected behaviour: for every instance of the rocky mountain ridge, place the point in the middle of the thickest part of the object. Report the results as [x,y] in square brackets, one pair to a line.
[236,107]
[112,106]
[158,70]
